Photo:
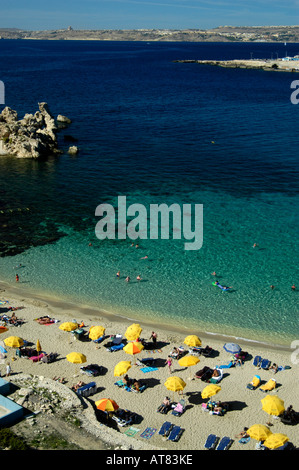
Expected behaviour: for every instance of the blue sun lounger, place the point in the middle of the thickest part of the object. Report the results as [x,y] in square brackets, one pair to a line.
[165,429]
[265,364]
[116,347]
[225,443]
[175,434]
[257,361]
[211,442]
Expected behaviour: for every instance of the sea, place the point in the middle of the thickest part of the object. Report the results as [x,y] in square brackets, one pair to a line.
[158,131]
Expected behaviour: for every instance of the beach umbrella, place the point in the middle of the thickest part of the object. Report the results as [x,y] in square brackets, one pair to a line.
[188,361]
[259,432]
[96,332]
[68,326]
[14,342]
[192,341]
[133,332]
[76,358]
[175,384]
[232,348]
[133,348]
[106,404]
[3,329]
[122,368]
[273,405]
[275,440]
[210,391]
[38,347]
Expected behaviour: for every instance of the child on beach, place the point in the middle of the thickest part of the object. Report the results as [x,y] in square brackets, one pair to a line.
[169,363]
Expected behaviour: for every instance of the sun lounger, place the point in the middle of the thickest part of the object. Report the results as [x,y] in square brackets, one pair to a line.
[226,366]
[211,442]
[179,408]
[215,380]
[116,347]
[175,434]
[88,389]
[36,358]
[270,385]
[254,383]
[257,361]
[265,364]
[165,429]
[124,417]
[225,443]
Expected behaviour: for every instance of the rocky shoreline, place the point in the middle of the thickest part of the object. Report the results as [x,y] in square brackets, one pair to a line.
[34,136]
[279,65]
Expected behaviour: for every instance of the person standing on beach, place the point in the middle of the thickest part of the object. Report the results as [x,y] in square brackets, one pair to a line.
[8,370]
[169,363]
[154,337]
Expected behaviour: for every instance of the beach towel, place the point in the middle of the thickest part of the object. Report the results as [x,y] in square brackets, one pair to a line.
[131,431]
[148,433]
[145,370]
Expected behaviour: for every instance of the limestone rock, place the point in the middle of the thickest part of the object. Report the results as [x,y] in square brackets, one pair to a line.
[73,150]
[63,119]
[33,136]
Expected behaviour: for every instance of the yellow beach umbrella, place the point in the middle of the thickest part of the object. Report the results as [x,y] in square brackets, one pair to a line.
[96,332]
[38,346]
[175,384]
[76,358]
[192,340]
[275,440]
[3,329]
[133,332]
[210,391]
[188,361]
[106,404]
[14,342]
[259,432]
[68,326]
[133,348]
[273,405]
[122,368]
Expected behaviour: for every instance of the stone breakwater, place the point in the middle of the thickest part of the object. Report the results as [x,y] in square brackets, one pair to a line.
[270,65]
[34,136]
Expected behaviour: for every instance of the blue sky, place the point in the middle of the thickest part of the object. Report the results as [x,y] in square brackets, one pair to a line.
[130,14]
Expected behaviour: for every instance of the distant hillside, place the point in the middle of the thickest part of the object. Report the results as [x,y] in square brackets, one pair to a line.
[220,34]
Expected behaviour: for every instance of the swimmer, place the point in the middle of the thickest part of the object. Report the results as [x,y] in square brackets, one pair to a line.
[138,278]
[136,246]
[118,274]
[17,278]
[144,257]
[128,279]
[272,287]
[255,245]
[213,273]
[293,287]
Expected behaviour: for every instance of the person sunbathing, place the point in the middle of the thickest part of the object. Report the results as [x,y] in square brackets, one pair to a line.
[164,407]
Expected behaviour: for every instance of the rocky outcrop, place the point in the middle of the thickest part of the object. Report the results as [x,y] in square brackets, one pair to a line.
[34,136]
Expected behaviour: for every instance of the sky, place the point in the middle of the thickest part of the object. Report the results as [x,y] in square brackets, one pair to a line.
[148,14]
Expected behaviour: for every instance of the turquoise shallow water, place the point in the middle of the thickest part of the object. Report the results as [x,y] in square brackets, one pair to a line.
[176,286]
[158,131]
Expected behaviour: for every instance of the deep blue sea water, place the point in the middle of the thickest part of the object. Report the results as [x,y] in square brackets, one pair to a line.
[158,131]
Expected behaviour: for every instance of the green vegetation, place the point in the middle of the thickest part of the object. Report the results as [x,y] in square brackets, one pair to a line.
[9,440]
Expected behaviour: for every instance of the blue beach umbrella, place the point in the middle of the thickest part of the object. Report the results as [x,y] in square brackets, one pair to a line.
[232,348]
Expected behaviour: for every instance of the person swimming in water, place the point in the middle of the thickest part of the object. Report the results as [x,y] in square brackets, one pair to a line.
[138,277]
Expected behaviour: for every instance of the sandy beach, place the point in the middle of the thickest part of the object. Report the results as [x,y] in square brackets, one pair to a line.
[245,405]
